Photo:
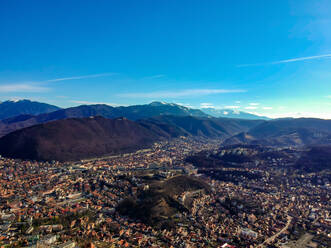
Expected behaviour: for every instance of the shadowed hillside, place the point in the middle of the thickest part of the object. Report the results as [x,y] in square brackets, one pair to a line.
[202,127]
[74,139]
[158,205]
[286,132]
[317,158]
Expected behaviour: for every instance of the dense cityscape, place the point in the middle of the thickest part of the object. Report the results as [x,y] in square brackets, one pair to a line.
[52,204]
[165,124]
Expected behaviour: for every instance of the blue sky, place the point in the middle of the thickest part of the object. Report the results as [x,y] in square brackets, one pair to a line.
[267,57]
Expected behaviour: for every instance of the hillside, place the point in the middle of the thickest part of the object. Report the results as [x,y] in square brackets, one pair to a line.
[10,109]
[317,158]
[195,126]
[158,205]
[74,139]
[286,132]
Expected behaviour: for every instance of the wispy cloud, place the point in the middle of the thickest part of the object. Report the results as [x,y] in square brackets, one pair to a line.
[177,94]
[322,115]
[154,77]
[254,104]
[251,107]
[22,87]
[289,60]
[184,104]
[232,107]
[206,105]
[92,103]
[35,87]
[80,77]
[267,108]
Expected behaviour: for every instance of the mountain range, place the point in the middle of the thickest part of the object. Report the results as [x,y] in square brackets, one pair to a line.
[134,112]
[96,130]
[10,109]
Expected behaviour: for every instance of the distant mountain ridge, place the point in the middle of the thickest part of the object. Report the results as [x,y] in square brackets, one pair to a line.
[133,112]
[26,117]
[10,109]
[232,113]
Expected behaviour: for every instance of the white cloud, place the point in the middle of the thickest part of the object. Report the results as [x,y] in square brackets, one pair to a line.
[301,59]
[92,103]
[34,87]
[176,94]
[267,108]
[255,113]
[206,105]
[251,107]
[289,60]
[22,87]
[154,77]
[254,104]
[184,104]
[232,107]
[301,114]
[81,77]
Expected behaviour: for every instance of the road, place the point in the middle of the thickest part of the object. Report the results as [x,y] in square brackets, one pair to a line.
[272,238]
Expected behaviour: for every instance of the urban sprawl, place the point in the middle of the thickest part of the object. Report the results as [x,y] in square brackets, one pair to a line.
[53,204]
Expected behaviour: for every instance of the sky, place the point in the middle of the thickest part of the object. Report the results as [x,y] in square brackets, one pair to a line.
[270,58]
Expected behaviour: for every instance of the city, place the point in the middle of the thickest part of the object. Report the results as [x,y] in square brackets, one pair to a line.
[165,124]
[68,204]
